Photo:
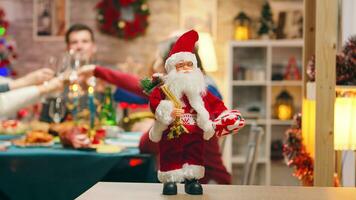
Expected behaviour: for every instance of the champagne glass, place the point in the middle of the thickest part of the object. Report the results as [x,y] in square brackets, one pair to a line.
[63,66]
[56,109]
[51,63]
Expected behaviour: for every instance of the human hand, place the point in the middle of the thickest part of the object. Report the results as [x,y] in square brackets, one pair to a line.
[34,78]
[177,112]
[52,86]
[39,76]
[86,70]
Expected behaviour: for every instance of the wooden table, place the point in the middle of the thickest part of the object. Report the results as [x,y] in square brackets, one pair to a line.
[142,191]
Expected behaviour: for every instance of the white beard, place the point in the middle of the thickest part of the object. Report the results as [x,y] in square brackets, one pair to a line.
[191,83]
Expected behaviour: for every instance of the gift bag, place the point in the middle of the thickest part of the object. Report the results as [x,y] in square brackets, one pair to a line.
[229,122]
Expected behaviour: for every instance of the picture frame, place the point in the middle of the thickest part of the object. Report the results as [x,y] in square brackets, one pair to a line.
[200,15]
[50,19]
[288,17]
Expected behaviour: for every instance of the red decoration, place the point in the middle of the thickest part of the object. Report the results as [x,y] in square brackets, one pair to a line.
[292,71]
[345,64]
[124,105]
[296,155]
[230,122]
[99,135]
[123,18]
[135,162]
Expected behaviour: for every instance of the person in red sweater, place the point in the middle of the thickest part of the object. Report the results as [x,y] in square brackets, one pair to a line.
[215,171]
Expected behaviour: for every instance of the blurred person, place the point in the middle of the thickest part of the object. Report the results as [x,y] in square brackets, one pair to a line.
[34,78]
[13,100]
[80,40]
[215,170]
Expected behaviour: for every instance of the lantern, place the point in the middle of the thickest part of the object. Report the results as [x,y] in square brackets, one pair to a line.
[242,25]
[283,107]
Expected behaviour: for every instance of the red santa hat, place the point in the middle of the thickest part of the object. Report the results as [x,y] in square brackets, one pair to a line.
[183,50]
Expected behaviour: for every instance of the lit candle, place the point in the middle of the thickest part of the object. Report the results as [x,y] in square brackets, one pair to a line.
[91,104]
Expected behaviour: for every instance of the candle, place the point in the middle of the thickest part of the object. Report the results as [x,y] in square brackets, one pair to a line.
[91,104]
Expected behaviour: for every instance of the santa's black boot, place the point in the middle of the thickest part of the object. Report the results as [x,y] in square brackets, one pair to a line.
[193,187]
[169,188]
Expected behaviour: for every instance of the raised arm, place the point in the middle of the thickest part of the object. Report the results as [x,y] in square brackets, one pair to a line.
[12,101]
[122,80]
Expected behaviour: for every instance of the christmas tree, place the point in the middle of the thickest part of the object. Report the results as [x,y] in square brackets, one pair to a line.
[266,21]
[7,52]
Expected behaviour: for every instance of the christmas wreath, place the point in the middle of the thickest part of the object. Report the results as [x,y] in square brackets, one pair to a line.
[123,18]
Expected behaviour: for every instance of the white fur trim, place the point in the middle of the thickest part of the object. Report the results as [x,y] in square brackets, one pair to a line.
[163,112]
[193,171]
[177,57]
[176,176]
[156,131]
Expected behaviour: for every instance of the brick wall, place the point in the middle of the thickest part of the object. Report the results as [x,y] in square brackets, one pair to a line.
[163,20]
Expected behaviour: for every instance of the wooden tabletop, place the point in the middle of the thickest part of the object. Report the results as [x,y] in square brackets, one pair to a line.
[148,191]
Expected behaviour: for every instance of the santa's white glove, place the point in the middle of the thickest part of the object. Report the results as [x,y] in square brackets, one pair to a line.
[209,130]
[164,111]
[155,133]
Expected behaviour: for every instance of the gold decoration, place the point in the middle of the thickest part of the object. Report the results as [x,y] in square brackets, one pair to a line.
[121,24]
[127,122]
[144,7]
[177,128]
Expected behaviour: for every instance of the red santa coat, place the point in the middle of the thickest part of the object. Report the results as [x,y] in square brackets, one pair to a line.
[182,158]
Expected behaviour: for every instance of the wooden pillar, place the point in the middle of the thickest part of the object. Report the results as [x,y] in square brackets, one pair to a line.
[309,37]
[326,38]
[308,110]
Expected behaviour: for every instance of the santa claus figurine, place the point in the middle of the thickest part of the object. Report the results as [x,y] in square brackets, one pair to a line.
[184,110]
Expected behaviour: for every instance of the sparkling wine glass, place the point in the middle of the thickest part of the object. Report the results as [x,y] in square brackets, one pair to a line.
[56,110]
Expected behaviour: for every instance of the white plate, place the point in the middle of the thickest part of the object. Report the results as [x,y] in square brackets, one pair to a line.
[5,143]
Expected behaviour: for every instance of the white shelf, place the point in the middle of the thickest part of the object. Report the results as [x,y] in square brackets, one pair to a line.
[286,83]
[260,93]
[248,83]
[273,43]
[281,122]
[252,121]
[241,160]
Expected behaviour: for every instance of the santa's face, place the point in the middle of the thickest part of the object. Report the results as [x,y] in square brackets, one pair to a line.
[186,79]
[184,66]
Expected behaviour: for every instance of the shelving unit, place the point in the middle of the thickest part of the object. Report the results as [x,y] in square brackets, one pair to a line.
[252,64]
